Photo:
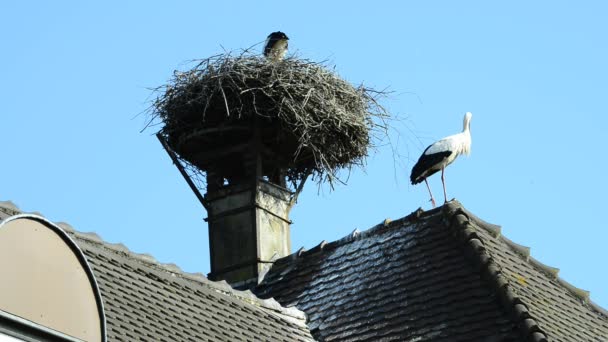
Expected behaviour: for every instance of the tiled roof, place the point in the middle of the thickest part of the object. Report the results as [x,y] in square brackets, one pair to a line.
[554,307]
[440,275]
[148,301]
[8,209]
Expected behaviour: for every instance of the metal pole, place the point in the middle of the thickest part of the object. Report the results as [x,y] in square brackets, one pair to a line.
[180,167]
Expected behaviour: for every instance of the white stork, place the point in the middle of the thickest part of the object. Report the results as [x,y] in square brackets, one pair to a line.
[276,46]
[441,154]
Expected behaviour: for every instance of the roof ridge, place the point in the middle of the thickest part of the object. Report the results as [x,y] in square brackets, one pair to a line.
[9,207]
[458,221]
[292,314]
[551,272]
[356,235]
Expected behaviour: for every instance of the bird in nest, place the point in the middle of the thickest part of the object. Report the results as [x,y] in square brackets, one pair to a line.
[440,154]
[276,46]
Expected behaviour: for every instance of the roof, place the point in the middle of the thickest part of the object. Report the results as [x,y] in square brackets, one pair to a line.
[440,275]
[147,300]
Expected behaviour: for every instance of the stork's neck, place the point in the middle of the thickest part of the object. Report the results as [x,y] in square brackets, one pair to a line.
[465,147]
[466,126]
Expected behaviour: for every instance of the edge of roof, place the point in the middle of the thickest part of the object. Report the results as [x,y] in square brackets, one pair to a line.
[459,222]
[386,224]
[291,314]
[524,251]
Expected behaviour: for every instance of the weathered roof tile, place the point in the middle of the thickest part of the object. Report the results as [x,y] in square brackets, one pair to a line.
[559,311]
[442,275]
[396,281]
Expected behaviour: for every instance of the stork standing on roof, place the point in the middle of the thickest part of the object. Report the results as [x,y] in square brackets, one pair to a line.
[276,46]
[440,154]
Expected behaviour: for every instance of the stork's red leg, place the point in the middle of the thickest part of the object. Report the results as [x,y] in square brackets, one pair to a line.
[430,193]
[445,195]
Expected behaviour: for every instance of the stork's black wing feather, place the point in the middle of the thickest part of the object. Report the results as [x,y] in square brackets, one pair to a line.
[427,165]
[269,44]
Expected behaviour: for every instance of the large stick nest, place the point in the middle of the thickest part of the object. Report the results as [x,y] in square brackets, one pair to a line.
[311,121]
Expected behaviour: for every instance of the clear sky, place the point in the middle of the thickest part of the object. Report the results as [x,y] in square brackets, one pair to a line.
[74,76]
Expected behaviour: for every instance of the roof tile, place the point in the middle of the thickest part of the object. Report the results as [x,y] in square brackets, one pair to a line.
[441,275]
[403,280]
[145,300]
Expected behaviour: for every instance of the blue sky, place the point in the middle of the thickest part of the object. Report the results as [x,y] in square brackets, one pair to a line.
[75,75]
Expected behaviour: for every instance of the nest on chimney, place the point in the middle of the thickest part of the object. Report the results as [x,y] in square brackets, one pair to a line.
[311,121]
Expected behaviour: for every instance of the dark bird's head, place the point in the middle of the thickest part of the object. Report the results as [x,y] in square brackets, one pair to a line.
[276,46]
[277,36]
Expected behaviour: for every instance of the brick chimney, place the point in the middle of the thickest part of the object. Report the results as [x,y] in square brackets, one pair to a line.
[248,230]
[248,206]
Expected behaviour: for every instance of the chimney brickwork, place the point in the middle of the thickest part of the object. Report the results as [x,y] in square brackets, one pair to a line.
[248,230]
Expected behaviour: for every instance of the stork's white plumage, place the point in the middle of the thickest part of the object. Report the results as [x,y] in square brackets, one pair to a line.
[441,154]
